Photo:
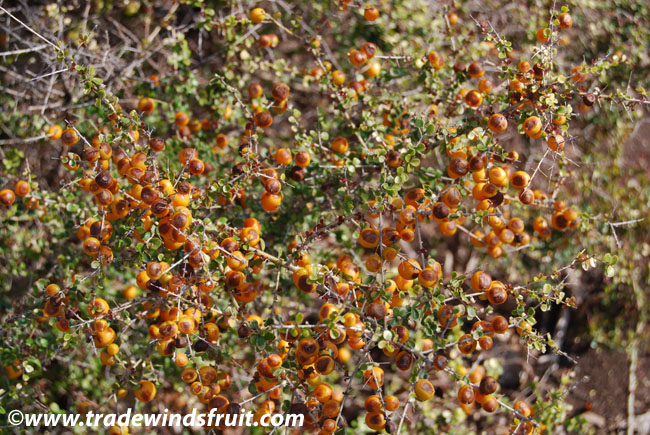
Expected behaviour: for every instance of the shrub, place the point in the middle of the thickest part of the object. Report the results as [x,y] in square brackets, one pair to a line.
[345,210]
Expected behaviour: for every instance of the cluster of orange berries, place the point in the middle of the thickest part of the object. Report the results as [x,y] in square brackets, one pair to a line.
[167,202]
[492,290]
[267,40]
[187,126]
[411,211]
[491,178]
[510,231]
[172,327]
[206,384]
[473,98]
[315,358]
[490,183]
[481,392]
[562,218]
[320,354]
[69,137]
[272,195]
[158,197]
[21,189]
[363,59]
[57,306]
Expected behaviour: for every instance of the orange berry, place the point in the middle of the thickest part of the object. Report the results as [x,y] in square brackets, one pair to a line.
[22,188]
[338,77]
[475,70]
[498,123]
[146,105]
[257,15]
[566,21]
[424,389]
[55,131]
[543,35]
[7,197]
[357,57]
[69,137]
[370,13]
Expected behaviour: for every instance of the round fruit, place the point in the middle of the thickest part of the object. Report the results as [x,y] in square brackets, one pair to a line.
[370,13]
[373,377]
[466,394]
[257,15]
[424,389]
[498,123]
[146,392]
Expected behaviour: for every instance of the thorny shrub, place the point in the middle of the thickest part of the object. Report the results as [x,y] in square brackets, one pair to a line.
[345,210]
